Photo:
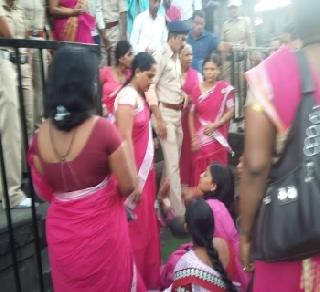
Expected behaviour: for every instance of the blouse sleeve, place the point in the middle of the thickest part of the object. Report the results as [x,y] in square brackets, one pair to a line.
[127,96]
[112,136]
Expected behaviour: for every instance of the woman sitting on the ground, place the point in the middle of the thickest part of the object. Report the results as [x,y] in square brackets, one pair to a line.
[216,186]
[205,267]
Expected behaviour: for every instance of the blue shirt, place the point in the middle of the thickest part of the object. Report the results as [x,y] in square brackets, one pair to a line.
[202,47]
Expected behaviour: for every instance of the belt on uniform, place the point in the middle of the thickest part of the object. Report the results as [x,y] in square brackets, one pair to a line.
[176,107]
[12,57]
[111,24]
[37,33]
[5,55]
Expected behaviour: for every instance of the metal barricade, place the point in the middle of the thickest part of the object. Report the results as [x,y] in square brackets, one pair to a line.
[242,60]
[16,45]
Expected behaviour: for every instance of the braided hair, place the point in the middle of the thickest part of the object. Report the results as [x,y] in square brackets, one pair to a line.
[200,222]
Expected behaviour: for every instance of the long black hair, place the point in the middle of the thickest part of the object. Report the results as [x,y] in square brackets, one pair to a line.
[142,62]
[200,222]
[224,179]
[71,89]
[122,48]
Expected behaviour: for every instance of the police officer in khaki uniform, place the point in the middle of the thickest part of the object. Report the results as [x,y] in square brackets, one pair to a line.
[166,101]
[115,17]
[37,28]
[10,124]
[15,17]
[238,32]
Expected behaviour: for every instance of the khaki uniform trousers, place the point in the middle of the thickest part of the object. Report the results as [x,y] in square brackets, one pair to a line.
[28,97]
[37,82]
[171,149]
[108,55]
[10,129]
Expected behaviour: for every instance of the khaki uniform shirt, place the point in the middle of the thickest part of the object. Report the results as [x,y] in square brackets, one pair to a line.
[167,83]
[113,8]
[238,32]
[35,14]
[16,21]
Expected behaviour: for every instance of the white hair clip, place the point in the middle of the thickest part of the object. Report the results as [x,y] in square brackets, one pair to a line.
[61,113]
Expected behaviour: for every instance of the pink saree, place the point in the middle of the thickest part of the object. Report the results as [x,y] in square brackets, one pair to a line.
[193,78]
[144,229]
[110,88]
[87,235]
[74,28]
[223,228]
[275,88]
[210,107]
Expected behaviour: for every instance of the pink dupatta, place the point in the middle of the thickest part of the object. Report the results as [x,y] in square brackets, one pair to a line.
[74,28]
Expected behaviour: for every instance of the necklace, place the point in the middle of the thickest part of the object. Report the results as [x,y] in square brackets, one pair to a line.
[59,156]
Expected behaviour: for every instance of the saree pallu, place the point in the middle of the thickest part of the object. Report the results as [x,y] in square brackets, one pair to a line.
[209,107]
[74,28]
[275,91]
[88,241]
[193,78]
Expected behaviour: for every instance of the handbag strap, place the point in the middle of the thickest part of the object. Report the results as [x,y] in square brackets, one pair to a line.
[305,74]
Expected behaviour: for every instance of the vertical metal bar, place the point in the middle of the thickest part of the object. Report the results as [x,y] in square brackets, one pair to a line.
[33,207]
[9,221]
[243,78]
[43,78]
[232,68]
[238,74]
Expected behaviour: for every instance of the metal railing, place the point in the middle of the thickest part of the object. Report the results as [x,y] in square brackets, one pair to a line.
[242,60]
[16,45]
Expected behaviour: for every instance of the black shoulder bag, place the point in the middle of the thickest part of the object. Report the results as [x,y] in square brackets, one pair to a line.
[288,221]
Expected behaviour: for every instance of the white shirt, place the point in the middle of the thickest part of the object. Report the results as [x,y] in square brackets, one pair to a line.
[148,34]
[187,7]
[95,9]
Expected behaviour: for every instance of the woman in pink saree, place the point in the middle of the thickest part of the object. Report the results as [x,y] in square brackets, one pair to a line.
[212,109]
[274,96]
[133,121]
[191,78]
[79,165]
[217,188]
[113,77]
[71,21]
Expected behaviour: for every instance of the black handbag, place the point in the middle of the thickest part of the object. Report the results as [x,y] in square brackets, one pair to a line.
[288,221]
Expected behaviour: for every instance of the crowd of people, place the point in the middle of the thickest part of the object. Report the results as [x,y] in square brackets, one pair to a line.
[161,74]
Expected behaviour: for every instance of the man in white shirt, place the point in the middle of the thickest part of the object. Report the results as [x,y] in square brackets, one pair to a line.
[187,7]
[149,32]
[95,9]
